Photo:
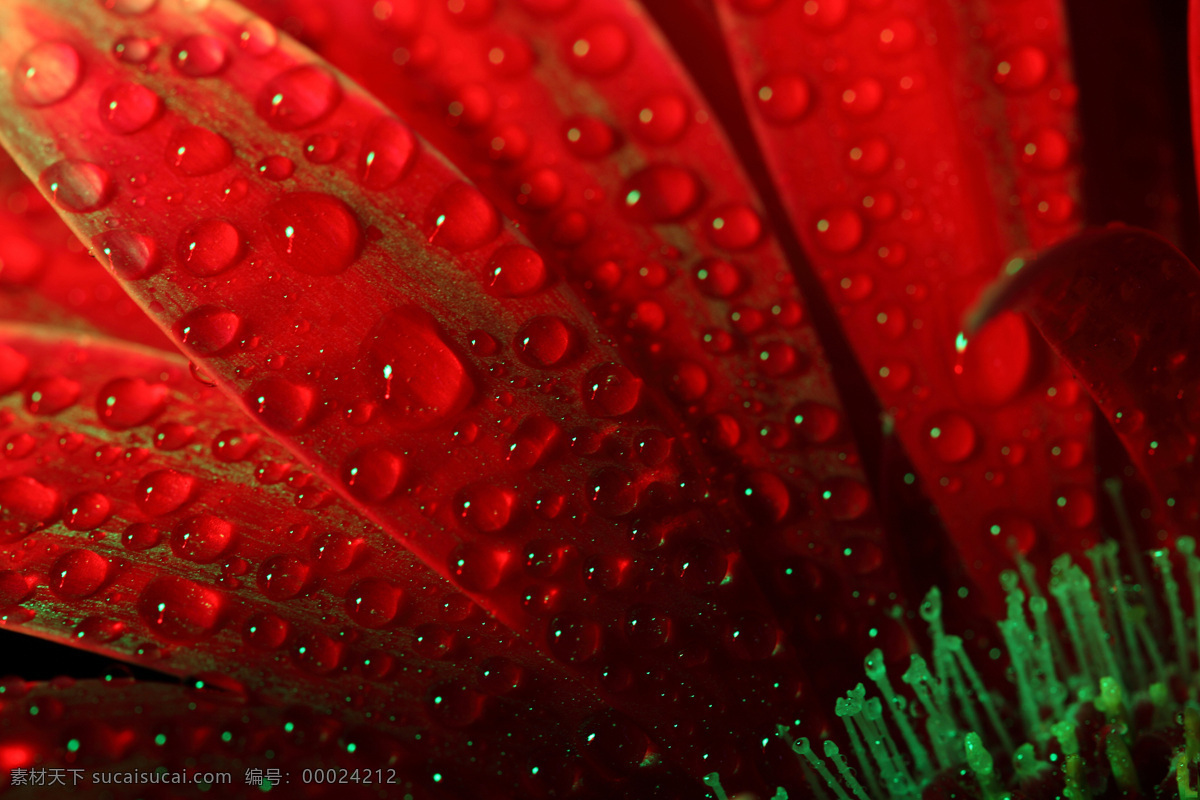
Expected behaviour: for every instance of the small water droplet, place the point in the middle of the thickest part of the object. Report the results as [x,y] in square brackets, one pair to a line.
[825,15]
[611,390]
[589,137]
[599,49]
[545,342]
[373,474]
[662,118]
[134,49]
[815,423]
[316,653]
[783,98]
[839,230]
[950,437]
[202,539]
[87,511]
[208,329]
[283,577]
[373,603]
[1021,69]
[265,631]
[180,610]
[276,168]
[477,568]
[844,498]
[258,37]
[196,151]
[862,98]
[461,218]
[735,227]
[77,574]
[48,395]
[281,404]
[661,193]
[129,402]
[128,8]
[516,271]
[486,508]
[140,536]
[163,491]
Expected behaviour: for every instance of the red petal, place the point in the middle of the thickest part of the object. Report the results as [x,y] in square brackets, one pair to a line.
[916,152]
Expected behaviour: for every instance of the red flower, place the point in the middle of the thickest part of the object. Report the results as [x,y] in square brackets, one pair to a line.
[504,457]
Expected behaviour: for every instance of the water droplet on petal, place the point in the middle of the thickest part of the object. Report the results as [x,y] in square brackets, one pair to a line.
[1046,150]
[78,186]
[300,97]
[163,491]
[210,247]
[281,404]
[15,588]
[140,536]
[815,423]
[202,539]
[258,37]
[735,227]
[373,474]
[179,610]
[783,98]
[77,574]
[661,193]
[25,500]
[232,445]
[127,107]
[387,152]
[200,56]
[208,329]
[130,255]
[573,640]
[265,631]
[844,498]
[283,577]
[413,371]
[545,342]
[600,49]
[662,118]
[862,97]
[276,168]
[461,218]
[128,8]
[128,402]
[195,151]
[477,568]
[588,137]
[950,437]
[486,508]
[1021,69]
[134,50]
[313,233]
[49,395]
[1076,507]
[516,271]
[825,15]
[373,603]
[611,390]
[839,230]
[46,73]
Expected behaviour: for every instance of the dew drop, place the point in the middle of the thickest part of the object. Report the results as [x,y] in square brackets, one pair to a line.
[210,247]
[599,50]
[133,50]
[825,15]
[373,603]
[839,230]
[195,151]
[208,329]
[283,577]
[163,491]
[300,97]
[534,440]
[815,423]
[25,500]
[78,186]
[14,368]
[588,137]
[232,445]
[126,403]
[335,552]
[461,218]
[735,227]
[897,38]
[950,437]
[316,653]
[545,342]
[200,56]
[662,119]
[413,371]
[87,511]
[140,536]
[77,574]
[46,396]
[1046,150]
[611,390]
[127,107]
[322,148]
[718,278]
[516,271]
[373,474]
[265,631]
[46,73]
[128,8]
[18,446]
[313,233]
[477,568]
[1021,69]
[486,508]
[276,168]
[783,98]
[844,499]
[202,539]
[573,640]
[433,641]
[15,588]
[180,610]
[281,404]
[862,98]
[386,154]
[661,193]
[258,37]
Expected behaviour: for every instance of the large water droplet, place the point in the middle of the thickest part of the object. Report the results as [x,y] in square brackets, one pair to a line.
[128,402]
[950,437]
[661,193]
[545,342]
[316,653]
[265,631]
[210,247]
[373,474]
[14,368]
[486,508]
[25,500]
[78,186]
[477,568]
[1021,69]
[130,255]
[179,610]
[662,118]
[77,574]
[611,390]
[589,137]
[46,73]
[195,151]
[48,395]
[202,539]
[516,271]
[313,233]
[335,551]
[163,491]
[413,371]
[283,577]
[825,15]
[281,404]
[297,98]
[844,498]
[839,230]
[735,227]
[461,218]
[127,107]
